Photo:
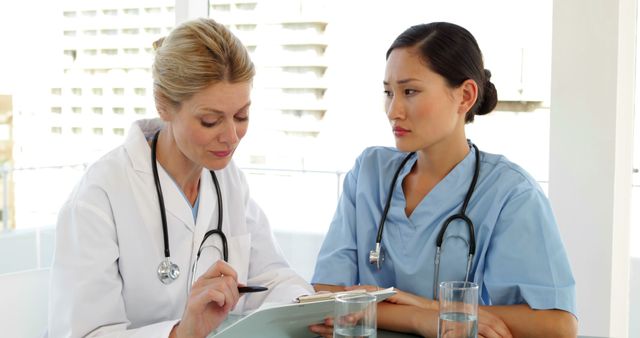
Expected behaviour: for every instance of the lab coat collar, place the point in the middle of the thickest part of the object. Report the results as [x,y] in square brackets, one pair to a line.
[139,153]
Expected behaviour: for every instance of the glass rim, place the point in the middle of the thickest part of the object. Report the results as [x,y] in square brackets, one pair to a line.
[458,285]
[359,298]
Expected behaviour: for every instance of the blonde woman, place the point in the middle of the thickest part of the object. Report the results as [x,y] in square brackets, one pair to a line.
[161,232]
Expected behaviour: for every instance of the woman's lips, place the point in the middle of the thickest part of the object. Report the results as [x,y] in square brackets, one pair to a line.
[398,131]
[224,153]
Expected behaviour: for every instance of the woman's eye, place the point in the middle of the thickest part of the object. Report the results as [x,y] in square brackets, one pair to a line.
[208,124]
[388,93]
[241,118]
[409,91]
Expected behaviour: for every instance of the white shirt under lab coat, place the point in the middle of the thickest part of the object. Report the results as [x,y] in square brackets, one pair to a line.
[109,243]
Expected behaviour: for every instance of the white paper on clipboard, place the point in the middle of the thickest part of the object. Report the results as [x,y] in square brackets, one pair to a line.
[286,320]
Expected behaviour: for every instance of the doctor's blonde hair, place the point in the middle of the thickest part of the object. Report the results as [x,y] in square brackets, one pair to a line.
[195,55]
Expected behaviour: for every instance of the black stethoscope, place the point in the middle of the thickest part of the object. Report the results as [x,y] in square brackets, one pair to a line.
[169,271]
[377,256]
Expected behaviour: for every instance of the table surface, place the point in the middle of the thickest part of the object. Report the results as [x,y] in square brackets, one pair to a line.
[390,334]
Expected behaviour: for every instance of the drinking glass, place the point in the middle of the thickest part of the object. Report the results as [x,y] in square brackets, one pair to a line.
[355,316]
[458,310]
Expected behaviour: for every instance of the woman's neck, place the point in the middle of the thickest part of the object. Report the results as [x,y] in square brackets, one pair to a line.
[184,172]
[440,158]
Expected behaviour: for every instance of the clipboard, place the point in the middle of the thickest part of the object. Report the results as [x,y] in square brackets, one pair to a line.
[286,320]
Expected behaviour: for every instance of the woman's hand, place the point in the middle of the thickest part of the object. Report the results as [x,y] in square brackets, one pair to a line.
[325,329]
[491,326]
[212,296]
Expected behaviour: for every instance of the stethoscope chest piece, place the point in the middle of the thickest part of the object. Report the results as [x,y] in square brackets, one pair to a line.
[168,271]
[377,256]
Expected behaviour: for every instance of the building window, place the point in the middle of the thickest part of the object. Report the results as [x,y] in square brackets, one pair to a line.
[69,33]
[153,30]
[131,11]
[108,31]
[118,110]
[110,51]
[96,91]
[110,12]
[140,91]
[76,110]
[131,50]
[131,31]
[170,9]
[140,110]
[56,110]
[56,91]
[152,10]
[118,91]
[56,130]
[90,32]
[69,14]
[76,130]
[89,13]
[97,131]
[76,91]
[97,110]
[118,131]
[90,52]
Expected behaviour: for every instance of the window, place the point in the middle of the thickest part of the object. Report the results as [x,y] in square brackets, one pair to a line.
[140,91]
[131,11]
[56,91]
[69,14]
[69,33]
[56,130]
[118,131]
[140,110]
[56,110]
[131,50]
[97,131]
[76,130]
[110,51]
[76,110]
[108,31]
[97,110]
[110,12]
[96,91]
[153,30]
[90,32]
[118,91]
[76,91]
[118,110]
[90,13]
[152,10]
[131,31]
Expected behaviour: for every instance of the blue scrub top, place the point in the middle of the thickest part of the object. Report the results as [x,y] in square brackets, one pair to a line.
[519,257]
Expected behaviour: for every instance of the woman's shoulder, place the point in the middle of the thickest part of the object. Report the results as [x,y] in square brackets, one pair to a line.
[499,169]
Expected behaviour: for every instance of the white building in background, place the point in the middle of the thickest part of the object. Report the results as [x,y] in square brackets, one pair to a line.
[317,94]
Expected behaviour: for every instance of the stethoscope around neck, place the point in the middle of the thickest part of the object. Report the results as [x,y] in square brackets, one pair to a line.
[376,256]
[169,271]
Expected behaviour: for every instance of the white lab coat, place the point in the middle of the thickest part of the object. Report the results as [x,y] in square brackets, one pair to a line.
[109,243]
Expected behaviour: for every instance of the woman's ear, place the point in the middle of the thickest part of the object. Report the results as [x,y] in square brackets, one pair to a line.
[469,95]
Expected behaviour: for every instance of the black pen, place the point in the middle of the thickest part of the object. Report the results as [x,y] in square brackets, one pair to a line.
[246,289]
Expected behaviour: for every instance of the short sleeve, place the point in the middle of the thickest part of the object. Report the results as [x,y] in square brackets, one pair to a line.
[337,260]
[526,261]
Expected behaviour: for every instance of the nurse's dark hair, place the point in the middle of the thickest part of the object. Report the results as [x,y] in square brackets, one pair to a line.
[452,52]
[195,55]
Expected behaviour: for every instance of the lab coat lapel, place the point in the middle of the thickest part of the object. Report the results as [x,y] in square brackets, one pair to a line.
[174,202]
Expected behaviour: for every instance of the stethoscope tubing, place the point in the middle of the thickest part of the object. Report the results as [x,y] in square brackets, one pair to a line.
[163,216]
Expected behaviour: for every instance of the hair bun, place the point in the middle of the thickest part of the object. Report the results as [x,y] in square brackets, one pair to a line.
[487,75]
[158,43]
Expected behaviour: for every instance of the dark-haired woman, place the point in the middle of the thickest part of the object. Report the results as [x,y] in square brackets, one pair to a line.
[435,83]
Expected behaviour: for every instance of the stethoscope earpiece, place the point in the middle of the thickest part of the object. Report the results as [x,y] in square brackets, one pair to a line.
[168,271]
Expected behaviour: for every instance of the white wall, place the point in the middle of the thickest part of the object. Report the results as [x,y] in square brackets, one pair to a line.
[592,87]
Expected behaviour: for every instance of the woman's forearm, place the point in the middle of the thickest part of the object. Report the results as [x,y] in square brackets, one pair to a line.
[407,318]
[524,322]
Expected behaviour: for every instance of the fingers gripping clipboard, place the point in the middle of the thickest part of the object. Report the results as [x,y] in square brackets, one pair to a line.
[287,320]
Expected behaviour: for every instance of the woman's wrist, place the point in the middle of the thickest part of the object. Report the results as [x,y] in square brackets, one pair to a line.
[424,322]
